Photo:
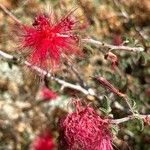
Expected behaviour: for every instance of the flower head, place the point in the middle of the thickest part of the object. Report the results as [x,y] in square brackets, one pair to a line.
[84,129]
[48,41]
[113,58]
[47,94]
[43,142]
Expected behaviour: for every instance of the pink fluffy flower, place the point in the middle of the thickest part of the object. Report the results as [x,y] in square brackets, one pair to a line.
[43,142]
[47,41]
[47,94]
[84,129]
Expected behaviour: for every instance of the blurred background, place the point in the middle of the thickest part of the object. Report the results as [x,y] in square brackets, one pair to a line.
[23,112]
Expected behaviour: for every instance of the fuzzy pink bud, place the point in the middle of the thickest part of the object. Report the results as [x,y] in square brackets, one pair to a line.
[43,142]
[84,129]
[47,94]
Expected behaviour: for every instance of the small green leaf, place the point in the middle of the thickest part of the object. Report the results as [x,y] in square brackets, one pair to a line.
[115,129]
[107,104]
[140,122]
[132,103]
[144,57]
[103,110]
[106,109]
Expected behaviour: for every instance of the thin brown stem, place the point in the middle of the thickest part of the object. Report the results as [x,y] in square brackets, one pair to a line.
[114,90]
[48,75]
[131,117]
[112,47]
[10,14]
